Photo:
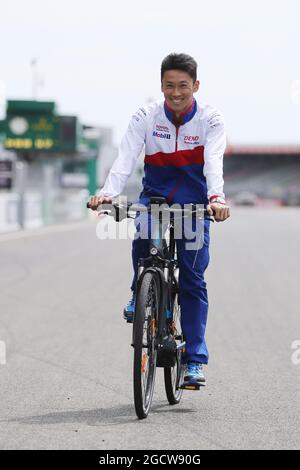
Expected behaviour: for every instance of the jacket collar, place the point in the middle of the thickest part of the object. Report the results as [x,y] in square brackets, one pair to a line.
[184,117]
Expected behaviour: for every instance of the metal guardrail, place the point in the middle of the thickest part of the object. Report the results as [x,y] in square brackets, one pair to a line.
[60,206]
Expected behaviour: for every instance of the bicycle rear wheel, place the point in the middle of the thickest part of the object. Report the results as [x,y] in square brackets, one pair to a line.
[144,340]
[174,375]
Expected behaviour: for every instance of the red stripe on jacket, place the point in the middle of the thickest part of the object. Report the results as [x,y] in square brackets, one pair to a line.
[179,158]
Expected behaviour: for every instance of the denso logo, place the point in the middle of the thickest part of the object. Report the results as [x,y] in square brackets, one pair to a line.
[191,139]
[161,135]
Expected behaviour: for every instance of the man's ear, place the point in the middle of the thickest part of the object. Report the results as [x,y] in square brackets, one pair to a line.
[196,86]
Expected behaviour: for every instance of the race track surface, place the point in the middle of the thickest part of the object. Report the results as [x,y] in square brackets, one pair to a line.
[67,381]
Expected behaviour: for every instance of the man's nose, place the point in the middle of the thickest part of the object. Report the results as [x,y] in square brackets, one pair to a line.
[176,92]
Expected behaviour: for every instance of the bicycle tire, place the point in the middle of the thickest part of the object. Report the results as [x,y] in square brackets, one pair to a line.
[145,351]
[173,376]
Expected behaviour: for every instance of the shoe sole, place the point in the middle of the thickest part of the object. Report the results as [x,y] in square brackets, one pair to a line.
[128,320]
[189,386]
[193,384]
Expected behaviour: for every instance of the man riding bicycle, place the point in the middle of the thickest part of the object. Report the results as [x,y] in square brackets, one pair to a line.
[184,146]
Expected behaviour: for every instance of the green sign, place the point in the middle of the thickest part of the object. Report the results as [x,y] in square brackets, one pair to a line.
[34,126]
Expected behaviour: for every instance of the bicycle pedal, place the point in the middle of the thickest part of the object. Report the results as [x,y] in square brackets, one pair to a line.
[178,337]
[192,386]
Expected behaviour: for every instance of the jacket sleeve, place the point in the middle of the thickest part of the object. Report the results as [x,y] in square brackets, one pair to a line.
[130,149]
[215,144]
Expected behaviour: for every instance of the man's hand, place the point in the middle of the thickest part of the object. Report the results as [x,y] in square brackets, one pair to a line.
[96,201]
[220,211]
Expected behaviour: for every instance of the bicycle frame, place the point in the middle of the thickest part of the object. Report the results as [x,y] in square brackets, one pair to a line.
[162,264]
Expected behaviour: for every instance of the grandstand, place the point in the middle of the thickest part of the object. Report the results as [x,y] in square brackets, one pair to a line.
[265,172]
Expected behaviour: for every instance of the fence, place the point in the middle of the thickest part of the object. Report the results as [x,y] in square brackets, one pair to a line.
[33,209]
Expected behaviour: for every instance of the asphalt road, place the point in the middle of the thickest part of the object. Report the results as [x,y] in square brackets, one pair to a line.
[67,381]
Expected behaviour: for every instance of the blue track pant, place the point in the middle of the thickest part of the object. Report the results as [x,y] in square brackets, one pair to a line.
[192,288]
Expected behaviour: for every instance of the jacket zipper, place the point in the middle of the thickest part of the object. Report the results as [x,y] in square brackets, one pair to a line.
[181,177]
[176,143]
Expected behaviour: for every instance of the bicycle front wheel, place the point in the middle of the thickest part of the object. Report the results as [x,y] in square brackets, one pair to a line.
[144,340]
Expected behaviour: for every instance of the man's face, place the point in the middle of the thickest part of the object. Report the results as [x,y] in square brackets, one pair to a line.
[178,89]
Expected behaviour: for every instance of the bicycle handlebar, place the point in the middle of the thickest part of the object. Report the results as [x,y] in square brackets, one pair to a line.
[124,209]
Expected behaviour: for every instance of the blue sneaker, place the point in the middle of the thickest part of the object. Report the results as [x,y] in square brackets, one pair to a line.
[129,310]
[193,376]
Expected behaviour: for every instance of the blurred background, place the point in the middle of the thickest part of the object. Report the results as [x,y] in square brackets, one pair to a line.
[72,73]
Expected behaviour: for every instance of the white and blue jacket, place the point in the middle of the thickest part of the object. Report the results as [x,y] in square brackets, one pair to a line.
[183,160]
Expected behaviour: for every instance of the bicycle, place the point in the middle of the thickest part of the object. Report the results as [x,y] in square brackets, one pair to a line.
[157,338]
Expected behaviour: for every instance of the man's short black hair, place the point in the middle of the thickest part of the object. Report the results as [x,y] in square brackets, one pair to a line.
[183,62]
